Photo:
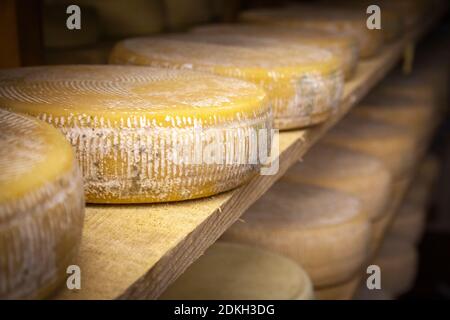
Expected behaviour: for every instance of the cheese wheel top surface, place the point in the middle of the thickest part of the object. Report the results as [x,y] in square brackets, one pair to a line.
[31,154]
[115,92]
[210,57]
[232,271]
[302,206]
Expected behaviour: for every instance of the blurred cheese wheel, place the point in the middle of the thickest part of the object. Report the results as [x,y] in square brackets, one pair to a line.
[323,230]
[237,272]
[391,144]
[415,114]
[352,172]
[398,261]
[344,46]
[340,20]
[56,33]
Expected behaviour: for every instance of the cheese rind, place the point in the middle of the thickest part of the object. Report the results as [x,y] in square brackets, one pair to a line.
[302,88]
[341,21]
[141,134]
[323,230]
[391,144]
[342,169]
[237,272]
[344,47]
[41,207]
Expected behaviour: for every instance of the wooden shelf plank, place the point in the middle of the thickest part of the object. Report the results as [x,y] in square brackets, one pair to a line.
[135,252]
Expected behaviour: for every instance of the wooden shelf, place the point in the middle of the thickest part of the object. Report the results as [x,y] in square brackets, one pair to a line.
[135,252]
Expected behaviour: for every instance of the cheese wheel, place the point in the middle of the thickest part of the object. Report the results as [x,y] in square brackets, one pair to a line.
[345,47]
[181,14]
[237,272]
[391,144]
[398,261]
[323,230]
[120,18]
[302,88]
[409,223]
[343,291]
[342,169]
[41,207]
[415,114]
[342,21]
[96,54]
[56,33]
[142,134]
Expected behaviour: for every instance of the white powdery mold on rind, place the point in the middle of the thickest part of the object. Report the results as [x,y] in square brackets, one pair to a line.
[40,235]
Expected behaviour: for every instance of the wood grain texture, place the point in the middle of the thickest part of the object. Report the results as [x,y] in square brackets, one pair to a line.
[135,252]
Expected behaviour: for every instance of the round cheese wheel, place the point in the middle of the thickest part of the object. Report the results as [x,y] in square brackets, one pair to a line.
[41,207]
[323,230]
[344,46]
[143,134]
[398,261]
[342,291]
[340,20]
[352,172]
[391,144]
[303,85]
[237,272]
[56,33]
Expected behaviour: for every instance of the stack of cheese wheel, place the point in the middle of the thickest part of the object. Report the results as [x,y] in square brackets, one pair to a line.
[352,172]
[144,135]
[413,113]
[238,272]
[340,20]
[409,222]
[390,144]
[303,84]
[398,261]
[41,207]
[345,47]
[324,231]
[181,14]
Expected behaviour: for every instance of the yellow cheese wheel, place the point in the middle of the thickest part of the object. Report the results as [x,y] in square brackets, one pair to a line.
[342,291]
[181,14]
[41,207]
[398,261]
[302,88]
[391,144]
[341,20]
[120,18]
[143,134]
[344,46]
[95,54]
[237,272]
[325,231]
[352,172]
[57,35]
